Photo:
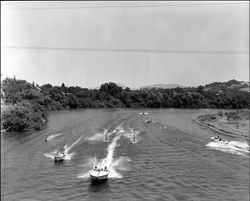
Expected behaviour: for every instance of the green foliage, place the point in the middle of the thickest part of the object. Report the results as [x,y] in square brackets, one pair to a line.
[24,116]
[17,119]
[26,106]
[31,103]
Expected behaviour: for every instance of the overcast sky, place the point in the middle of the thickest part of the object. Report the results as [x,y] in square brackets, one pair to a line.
[131,43]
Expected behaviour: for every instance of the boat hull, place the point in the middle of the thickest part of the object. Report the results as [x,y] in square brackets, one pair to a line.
[214,139]
[59,158]
[98,175]
[99,178]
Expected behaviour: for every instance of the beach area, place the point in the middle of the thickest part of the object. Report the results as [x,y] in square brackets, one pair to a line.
[231,123]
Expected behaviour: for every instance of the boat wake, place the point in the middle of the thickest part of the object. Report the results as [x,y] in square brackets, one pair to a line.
[233,147]
[112,164]
[67,148]
[132,135]
[51,155]
[104,135]
[51,137]
[97,136]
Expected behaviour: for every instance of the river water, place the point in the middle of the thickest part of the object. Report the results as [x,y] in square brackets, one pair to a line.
[171,158]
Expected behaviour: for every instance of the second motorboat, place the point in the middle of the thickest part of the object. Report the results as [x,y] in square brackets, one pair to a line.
[59,157]
[218,139]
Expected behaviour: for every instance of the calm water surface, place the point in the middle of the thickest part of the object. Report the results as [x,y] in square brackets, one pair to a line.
[170,159]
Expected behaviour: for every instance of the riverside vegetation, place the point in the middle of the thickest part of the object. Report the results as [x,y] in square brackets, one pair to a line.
[232,123]
[26,105]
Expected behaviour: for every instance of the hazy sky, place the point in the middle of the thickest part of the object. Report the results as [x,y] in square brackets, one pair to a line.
[132,43]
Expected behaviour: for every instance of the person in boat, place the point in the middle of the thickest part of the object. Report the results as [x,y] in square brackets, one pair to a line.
[217,137]
[95,168]
[57,154]
[105,169]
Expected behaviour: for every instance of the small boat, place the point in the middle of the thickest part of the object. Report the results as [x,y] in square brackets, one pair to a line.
[47,138]
[143,113]
[59,157]
[218,139]
[99,174]
[149,121]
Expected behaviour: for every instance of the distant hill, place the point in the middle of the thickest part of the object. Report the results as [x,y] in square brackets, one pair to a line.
[122,86]
[229,85]
[164,86]
[215,86]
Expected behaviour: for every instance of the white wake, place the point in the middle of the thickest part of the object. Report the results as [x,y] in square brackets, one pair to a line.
[122,163]
[233,147]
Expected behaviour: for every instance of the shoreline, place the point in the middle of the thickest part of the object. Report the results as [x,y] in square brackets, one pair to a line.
[219,129]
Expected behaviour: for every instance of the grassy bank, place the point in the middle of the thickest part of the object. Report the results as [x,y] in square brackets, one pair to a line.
[232,123]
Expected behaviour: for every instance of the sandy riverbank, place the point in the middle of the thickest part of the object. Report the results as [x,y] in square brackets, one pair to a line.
[234,123]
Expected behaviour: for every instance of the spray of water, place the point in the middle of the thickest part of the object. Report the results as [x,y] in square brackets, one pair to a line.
[50,155]
[104,136]
[108,160]
[96,137]
[67,148]
[122,163]
[86,167]
[233,147]
[112,132]
[132,135]
[68,156]
[51,137]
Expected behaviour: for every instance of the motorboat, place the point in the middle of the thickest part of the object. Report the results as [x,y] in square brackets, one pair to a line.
[149,121]
[48,138]
[59,157]
[99,174]
[143,113]
[218,139]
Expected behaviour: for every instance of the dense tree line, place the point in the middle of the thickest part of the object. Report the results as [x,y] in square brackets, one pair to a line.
[29,104]
[24,108]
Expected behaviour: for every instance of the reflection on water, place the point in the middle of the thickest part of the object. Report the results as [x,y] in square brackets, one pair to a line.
[99,186]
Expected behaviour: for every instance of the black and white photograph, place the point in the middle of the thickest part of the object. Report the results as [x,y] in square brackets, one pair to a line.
[125,101]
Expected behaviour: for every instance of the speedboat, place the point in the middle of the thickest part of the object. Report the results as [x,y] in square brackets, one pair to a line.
[99,174]
[59,157]
[48,138]
[143,113]
[149,121]
[218,139]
